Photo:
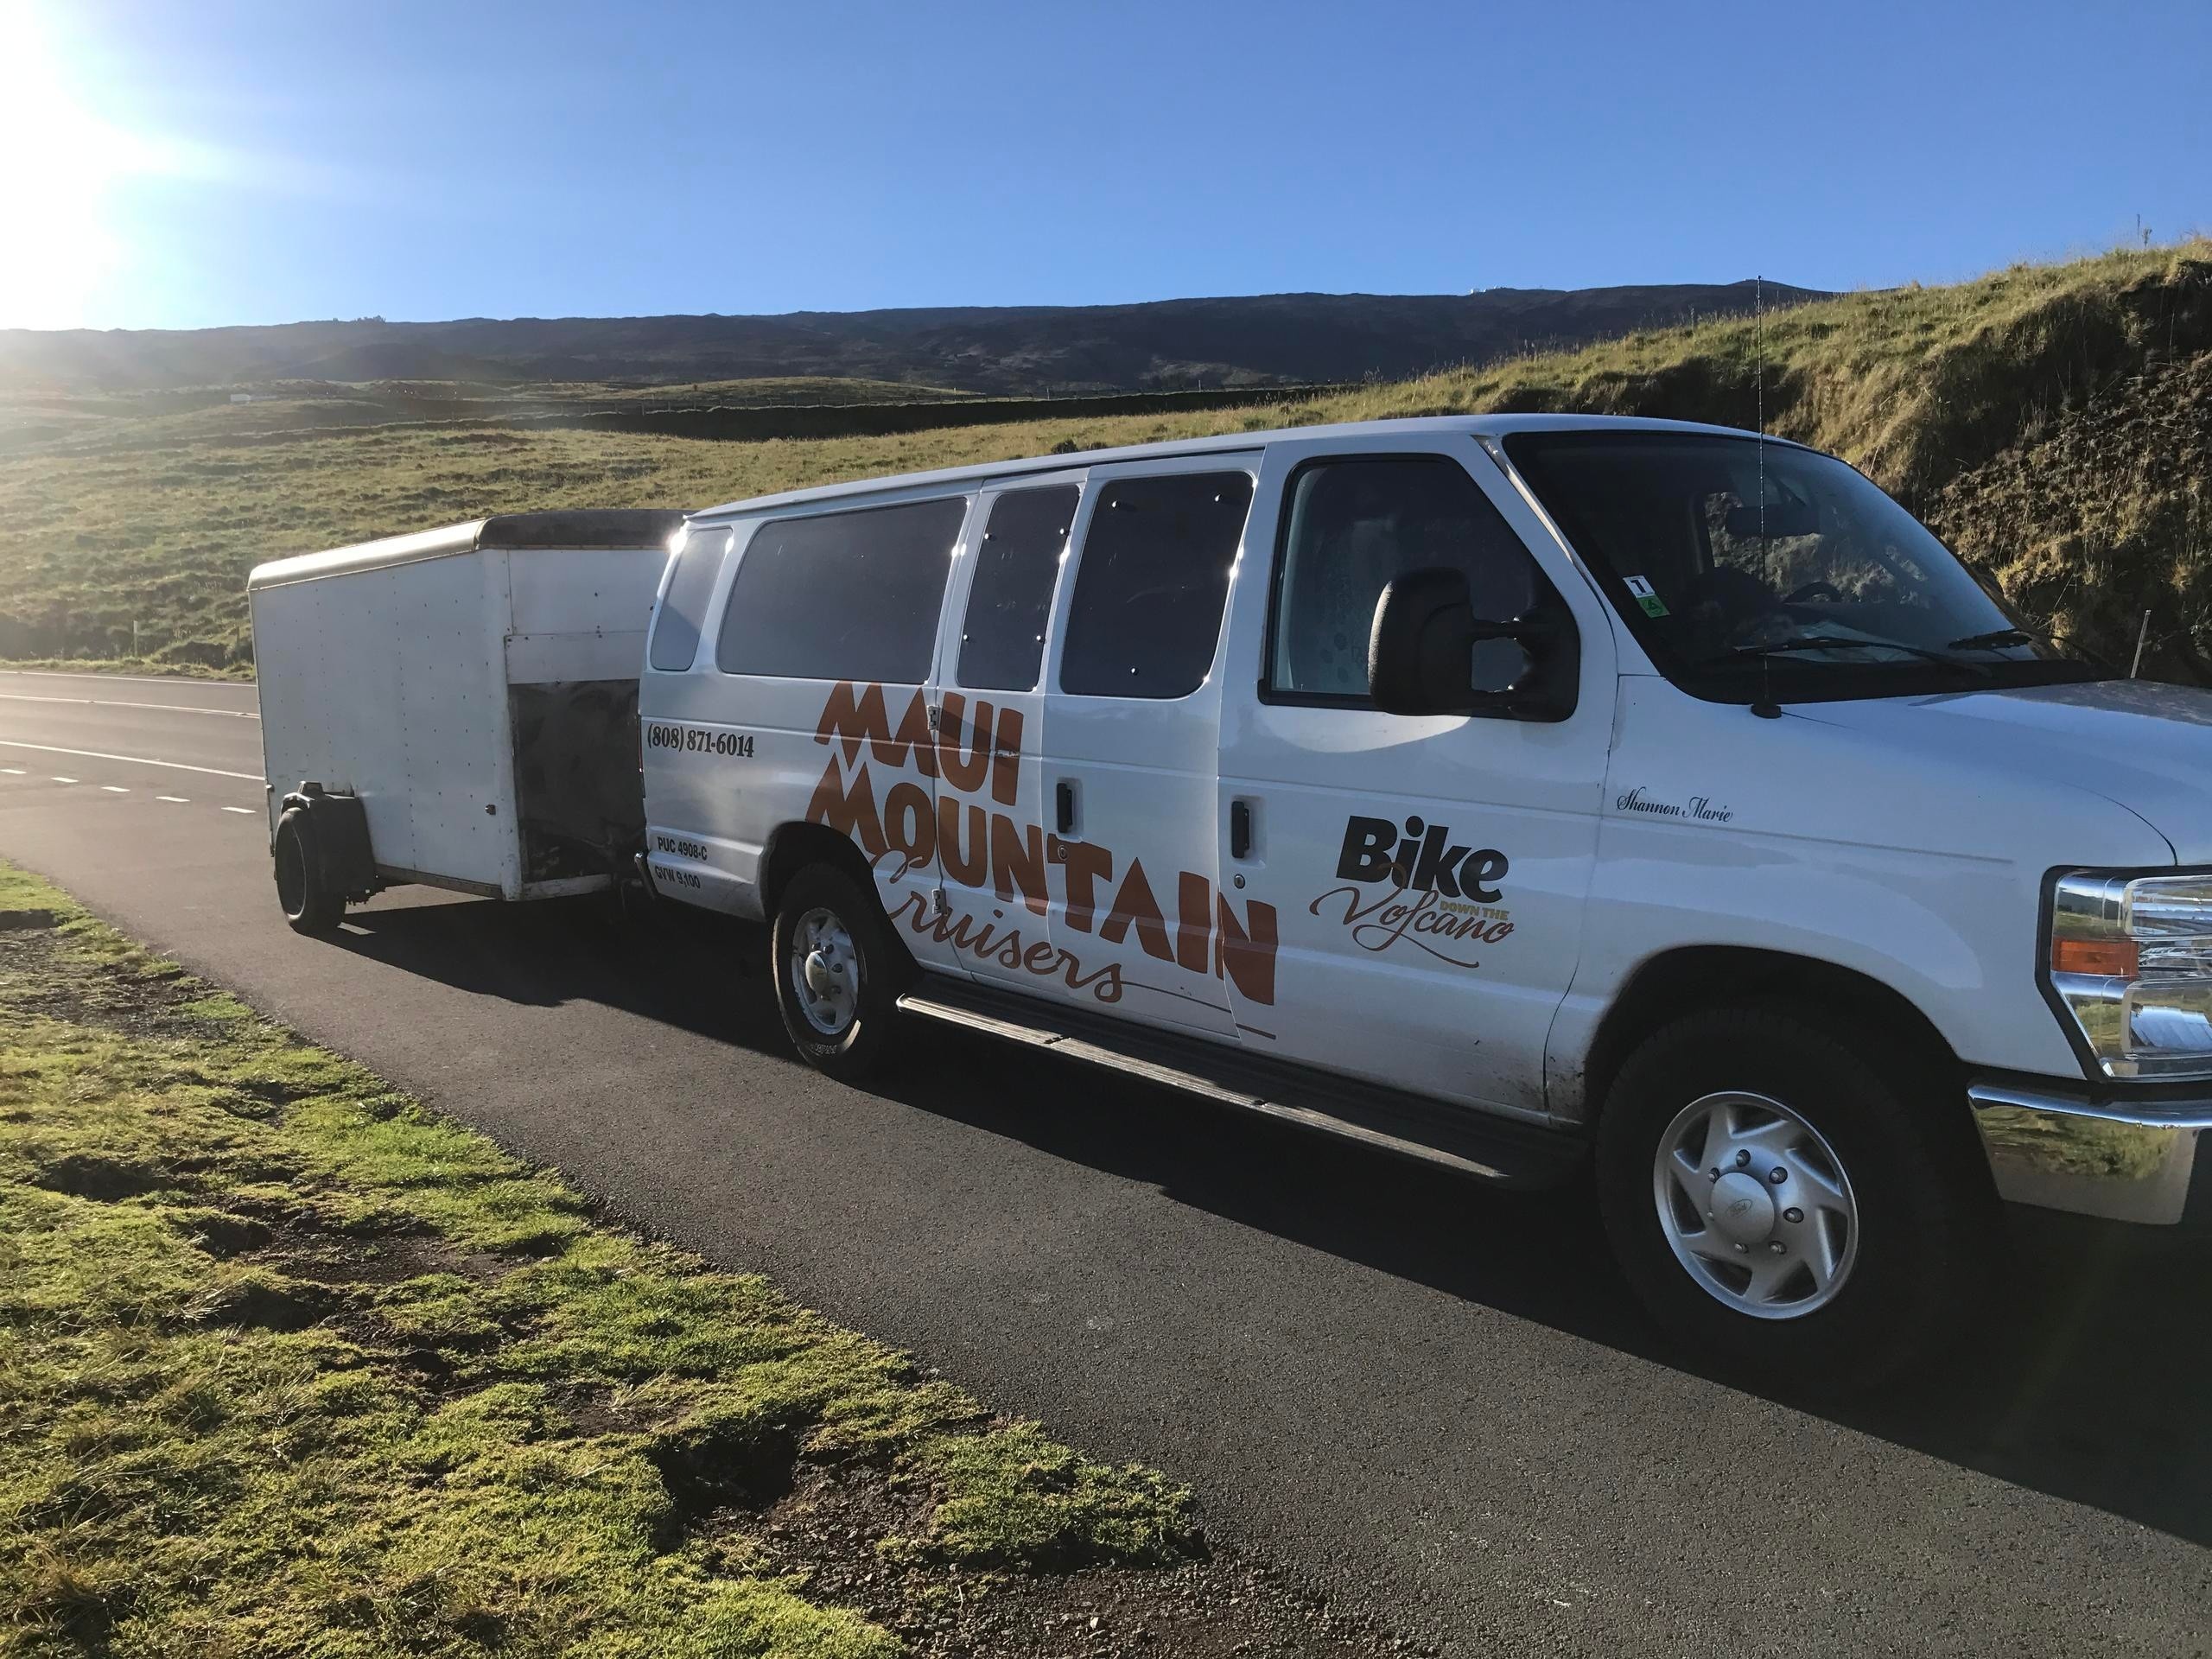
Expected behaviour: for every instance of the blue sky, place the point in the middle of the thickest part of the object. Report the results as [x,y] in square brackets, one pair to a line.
[229,161]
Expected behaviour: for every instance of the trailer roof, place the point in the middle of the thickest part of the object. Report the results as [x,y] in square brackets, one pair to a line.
[586,527]
[1497,426]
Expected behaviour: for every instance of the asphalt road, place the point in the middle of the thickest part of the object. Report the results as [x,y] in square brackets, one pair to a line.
[1436,1400]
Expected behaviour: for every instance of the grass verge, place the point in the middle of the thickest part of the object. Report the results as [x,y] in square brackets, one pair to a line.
[289,1364]
[166,669]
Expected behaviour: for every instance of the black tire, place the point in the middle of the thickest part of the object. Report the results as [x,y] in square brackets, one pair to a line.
[1925,1227]
[864,978]
[309,904]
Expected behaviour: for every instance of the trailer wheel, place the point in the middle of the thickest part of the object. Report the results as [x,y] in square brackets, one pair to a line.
[304,890]
[834,971]
[1785,1203]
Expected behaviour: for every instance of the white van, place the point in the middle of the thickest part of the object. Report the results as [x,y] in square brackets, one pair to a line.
[1508,792]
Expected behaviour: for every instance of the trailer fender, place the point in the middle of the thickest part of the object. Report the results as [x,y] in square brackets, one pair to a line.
[341,829]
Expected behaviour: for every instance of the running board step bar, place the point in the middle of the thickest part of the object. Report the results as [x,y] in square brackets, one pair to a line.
[1501,1150]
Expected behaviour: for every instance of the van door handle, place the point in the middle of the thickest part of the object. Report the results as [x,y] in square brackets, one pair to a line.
[1064,801]
[1240,828]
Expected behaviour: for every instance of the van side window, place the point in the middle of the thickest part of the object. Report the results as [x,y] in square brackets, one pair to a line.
[675,635]
[842,596]
[1003,640]
[1152,584]
[1353,524]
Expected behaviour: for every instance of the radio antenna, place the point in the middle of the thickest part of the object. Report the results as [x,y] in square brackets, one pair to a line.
[1759,384]
[1758,345]
[1765,708]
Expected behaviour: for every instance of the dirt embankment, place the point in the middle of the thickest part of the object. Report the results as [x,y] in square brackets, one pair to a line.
[2103,514]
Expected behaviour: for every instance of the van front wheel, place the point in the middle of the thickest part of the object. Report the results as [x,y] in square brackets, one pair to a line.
[833,969]
[1783,1203]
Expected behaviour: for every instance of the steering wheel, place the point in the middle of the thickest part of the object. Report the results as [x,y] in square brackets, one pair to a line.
[1827,590]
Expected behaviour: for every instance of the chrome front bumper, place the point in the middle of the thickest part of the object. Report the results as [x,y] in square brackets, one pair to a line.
[2122,1161]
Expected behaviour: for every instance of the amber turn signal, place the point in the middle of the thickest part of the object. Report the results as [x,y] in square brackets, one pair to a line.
[2114,958]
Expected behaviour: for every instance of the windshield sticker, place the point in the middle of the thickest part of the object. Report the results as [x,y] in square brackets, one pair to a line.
[1647,596]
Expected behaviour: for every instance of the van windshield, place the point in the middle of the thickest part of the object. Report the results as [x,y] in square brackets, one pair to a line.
[1746,569]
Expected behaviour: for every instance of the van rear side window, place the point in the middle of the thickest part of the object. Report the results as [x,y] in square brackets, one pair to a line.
[842,596]
[1003,640]
[1154,579]
[675,635]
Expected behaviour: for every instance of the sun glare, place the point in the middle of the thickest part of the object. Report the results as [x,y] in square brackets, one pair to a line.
[59,166]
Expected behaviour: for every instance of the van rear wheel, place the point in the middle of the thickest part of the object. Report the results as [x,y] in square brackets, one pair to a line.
[1785,1203]
[309,904]
[835,971]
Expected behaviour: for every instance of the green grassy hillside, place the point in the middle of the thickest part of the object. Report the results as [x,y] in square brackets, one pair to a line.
[2050,420]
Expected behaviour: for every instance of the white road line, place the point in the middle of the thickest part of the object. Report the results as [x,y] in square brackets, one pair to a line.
[115,789]
[114,702]
[14,771]
[65,781]
[175,800]
[248,810]
[135,759]
[83,676]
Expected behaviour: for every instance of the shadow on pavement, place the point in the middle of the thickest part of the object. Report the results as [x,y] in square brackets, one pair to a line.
[2089,1386]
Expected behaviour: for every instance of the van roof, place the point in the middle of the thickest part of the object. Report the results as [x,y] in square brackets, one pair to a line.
[1226,443]
[590,527]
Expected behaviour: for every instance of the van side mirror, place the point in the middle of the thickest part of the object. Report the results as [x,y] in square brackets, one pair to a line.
[1429,654]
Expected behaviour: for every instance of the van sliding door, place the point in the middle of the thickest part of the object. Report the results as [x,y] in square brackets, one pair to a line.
[1140,926]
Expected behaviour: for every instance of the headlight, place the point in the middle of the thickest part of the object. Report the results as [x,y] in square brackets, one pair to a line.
[2131,960]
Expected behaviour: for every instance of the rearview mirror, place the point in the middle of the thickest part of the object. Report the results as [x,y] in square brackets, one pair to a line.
[1791,516]
[1429,654]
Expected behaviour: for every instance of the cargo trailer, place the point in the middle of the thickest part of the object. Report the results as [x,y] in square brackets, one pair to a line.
[457,707]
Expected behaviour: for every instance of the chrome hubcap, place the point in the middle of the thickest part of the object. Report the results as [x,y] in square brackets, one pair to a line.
[825,972]
[1756,1206]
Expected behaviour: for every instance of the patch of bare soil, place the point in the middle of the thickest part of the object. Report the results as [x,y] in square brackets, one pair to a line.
[147,1003]
[350,1259]
[833,1525]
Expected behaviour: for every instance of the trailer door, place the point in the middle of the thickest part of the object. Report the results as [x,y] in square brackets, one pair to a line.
[455,756]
